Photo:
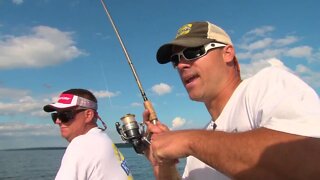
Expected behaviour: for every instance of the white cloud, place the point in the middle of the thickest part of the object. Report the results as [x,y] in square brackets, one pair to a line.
[316,56]
[253,47]
[286,41]
[267,53]
[23,105]
[244,55]
[258,44]
[14,93]
[136,104]
[294,52]
[178,122]
[18,129]
[161,89]
[301,69]
[104,94]
[44,47]
[18,2]
[301,51]
[261,31]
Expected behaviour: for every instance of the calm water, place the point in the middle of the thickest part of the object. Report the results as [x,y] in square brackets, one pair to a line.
[43,164]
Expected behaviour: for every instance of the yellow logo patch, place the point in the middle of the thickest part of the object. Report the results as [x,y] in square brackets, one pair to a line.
[122,161]
[184,30]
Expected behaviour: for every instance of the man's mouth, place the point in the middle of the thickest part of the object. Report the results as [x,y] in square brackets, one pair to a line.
[190,78]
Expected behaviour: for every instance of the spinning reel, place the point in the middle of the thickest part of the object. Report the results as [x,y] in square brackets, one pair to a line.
[133,133]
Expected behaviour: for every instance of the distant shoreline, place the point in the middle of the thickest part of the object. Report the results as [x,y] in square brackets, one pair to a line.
[119,145]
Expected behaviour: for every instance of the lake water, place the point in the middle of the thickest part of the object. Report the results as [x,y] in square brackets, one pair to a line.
[43,164]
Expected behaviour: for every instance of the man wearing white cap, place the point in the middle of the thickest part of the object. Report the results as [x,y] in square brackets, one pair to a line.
[263,127]
[91,154]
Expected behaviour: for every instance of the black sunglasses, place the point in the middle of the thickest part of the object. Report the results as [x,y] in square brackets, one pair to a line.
[65,116]
[191,54]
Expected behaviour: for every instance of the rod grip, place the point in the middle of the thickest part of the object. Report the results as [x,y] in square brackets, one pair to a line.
[153,116]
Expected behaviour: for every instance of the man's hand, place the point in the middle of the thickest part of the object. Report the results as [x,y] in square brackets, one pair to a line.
[171,145]
[166,146]
[164,169]
[151,130]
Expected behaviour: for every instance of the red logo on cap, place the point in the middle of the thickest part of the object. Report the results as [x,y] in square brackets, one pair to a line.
[65,98]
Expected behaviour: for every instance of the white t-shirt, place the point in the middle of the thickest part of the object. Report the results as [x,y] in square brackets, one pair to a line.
[274,99]
[93,156]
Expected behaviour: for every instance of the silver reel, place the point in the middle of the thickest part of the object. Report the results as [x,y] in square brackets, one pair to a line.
[133,133]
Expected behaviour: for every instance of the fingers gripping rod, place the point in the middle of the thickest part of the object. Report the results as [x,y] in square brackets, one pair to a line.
[147,104]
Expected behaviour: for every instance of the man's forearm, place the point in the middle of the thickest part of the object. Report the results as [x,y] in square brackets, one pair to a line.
[258,153]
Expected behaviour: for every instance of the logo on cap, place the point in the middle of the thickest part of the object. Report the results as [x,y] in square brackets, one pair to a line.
[184,30]
[65,98]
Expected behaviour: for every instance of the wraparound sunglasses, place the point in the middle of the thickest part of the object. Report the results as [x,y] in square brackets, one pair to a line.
[191,54]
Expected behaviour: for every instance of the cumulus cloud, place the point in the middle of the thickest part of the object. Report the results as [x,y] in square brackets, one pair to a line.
[260,31]
[18,2]
[300,51]
[161,89]
[258,44]
[136,104]
[257,49]
[18,129]
[263,43]
[45,46]
[286,41]
[267,53]
[24,105]
[17,101]
[14,93]
[178,122]
[104,94]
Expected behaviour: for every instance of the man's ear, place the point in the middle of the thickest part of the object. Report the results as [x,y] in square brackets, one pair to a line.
[228,53]
[89,115]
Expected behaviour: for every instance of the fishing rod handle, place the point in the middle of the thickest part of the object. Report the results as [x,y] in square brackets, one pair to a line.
[153,116]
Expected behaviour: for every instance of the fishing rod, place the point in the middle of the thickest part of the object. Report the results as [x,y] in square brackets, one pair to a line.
[130,131]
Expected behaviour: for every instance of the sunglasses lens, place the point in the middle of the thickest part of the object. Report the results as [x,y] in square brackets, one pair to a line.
[189,54]
[193,53]
[175,59]
[64,117]
[54,117]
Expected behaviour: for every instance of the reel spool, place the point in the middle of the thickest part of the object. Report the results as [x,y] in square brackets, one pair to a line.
[133,133]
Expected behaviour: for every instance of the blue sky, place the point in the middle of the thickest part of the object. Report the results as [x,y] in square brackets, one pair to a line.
[48,46]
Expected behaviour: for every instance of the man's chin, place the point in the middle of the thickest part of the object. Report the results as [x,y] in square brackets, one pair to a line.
[194,98]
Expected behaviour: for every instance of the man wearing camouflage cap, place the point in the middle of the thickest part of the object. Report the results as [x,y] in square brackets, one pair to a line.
[263,127]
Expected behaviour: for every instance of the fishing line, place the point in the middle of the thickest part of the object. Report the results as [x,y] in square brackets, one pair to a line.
[105,82]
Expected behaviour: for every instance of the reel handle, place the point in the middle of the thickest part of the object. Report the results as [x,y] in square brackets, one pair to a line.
[153,116]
